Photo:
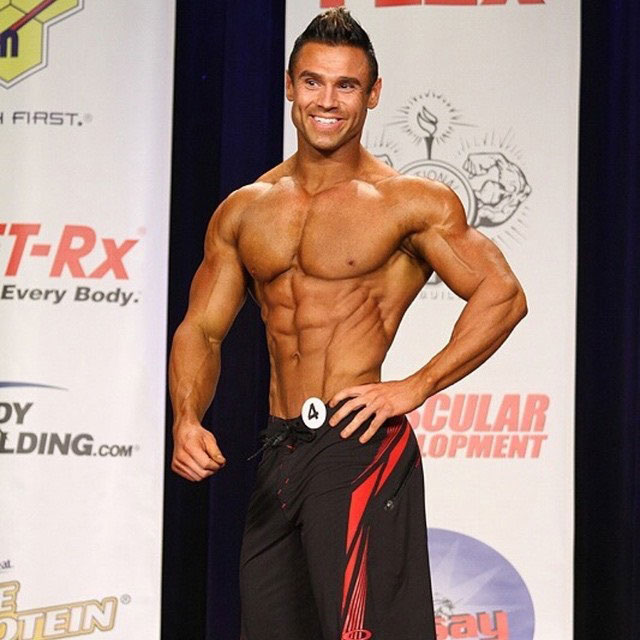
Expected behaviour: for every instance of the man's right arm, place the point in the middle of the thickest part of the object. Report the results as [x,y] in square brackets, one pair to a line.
[217,292]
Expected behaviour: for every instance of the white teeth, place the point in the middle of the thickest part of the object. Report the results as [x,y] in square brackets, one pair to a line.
[322,120]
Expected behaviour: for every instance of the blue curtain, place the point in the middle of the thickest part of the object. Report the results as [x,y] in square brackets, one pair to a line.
[228,113]
[607,551]
[227,130]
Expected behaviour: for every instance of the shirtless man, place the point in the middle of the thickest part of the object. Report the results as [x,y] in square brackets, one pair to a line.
[334,245]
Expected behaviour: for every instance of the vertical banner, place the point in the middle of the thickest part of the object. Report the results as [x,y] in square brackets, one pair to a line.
[483,96]
[85,125]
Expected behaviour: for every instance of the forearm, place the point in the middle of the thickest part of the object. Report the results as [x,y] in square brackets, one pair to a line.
[488,318]
[194,369]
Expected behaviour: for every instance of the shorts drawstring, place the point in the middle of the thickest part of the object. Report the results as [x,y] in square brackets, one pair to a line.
[295,430]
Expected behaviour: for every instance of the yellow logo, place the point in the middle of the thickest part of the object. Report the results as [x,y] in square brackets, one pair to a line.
[24,27]
[58,621]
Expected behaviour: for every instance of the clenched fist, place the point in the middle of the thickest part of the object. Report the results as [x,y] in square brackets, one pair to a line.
[196,455]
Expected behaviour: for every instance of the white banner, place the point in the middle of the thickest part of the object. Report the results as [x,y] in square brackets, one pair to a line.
[485,99]
[85,126]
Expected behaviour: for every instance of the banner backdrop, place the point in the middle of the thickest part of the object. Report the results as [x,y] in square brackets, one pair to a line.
[85,124]
[485,99]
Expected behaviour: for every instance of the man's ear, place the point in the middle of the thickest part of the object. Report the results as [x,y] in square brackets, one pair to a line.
[288,83]
[374,94]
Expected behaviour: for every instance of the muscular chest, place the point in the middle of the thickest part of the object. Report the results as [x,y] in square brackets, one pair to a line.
[344,233]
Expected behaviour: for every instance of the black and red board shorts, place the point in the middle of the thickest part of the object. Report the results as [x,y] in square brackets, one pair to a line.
[335,542]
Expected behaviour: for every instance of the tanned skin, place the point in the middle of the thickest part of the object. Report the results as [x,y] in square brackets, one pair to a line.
[334,246]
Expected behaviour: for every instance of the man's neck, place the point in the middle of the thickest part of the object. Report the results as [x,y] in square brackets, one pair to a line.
[316,171]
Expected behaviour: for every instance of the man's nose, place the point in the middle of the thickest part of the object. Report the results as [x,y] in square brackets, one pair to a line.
[328,97]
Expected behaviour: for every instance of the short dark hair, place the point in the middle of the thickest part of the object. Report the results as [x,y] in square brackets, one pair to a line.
[337,27]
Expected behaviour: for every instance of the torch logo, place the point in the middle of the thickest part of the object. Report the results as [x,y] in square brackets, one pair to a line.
[24,28]
[484,171]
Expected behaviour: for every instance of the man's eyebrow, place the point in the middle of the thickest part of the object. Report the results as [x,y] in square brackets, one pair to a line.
[309,74]
[350,80]
[305,73]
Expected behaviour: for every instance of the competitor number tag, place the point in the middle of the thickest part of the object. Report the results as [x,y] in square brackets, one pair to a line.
[313,413]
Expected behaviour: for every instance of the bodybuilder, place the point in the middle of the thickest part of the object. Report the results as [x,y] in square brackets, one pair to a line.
[334,246]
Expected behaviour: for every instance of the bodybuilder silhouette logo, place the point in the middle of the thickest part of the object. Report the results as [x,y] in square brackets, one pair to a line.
[489,182]
[24,28]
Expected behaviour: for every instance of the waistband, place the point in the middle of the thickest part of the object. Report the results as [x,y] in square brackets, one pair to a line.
[275,422]
[279,430]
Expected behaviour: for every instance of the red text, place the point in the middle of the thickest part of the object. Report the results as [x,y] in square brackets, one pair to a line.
[76,245]
[481,426]
[485,626]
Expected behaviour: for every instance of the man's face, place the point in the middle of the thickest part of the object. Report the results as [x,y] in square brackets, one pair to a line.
[329,88]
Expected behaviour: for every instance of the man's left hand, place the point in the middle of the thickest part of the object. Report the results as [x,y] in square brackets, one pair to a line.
[382,400]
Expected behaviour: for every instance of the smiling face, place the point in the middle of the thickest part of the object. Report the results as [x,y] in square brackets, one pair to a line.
[329,89]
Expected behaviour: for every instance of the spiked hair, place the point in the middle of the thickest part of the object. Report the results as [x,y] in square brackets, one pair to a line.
[337,27]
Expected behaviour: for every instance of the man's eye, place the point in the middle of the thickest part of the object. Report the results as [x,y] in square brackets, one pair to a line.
[311,83]
[346,85]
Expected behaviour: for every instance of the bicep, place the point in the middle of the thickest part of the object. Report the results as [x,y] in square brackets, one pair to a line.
[219,285]
[460,255]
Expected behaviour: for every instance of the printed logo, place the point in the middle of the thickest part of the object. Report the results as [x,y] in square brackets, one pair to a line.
[477,592]
[76,246]
[484,170]
[27,440]
[482,425]
[77,252]
[57,621]
[24,35]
